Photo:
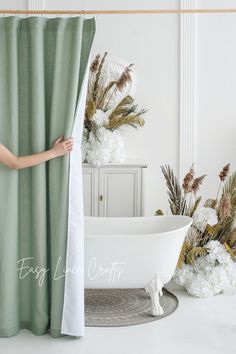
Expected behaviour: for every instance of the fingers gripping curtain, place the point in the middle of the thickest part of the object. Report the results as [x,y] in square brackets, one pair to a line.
[42,71]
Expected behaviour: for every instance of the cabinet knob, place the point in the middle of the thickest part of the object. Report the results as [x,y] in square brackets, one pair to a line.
[101,198]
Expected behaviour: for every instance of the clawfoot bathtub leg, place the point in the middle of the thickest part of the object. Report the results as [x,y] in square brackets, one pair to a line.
[154,288]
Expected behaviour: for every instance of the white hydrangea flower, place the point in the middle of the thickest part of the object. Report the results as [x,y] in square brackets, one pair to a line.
[101,117]
[203,216]
[210,274]
[109,148]
[118,148]
[217,253]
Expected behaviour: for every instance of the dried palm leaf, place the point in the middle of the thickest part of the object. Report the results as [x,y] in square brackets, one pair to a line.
[230,183]
[125,114]
[159,212]
[223,229]
[205,236]
[90,109]
[176,200]
[210,229]
[195,253]
[185,249]
[92,126]
[231,239]
[123,107]
[195,206]
[131,120]
[229,249]
[230,188]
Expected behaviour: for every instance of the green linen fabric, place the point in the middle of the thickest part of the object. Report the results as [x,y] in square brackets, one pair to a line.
[42,66]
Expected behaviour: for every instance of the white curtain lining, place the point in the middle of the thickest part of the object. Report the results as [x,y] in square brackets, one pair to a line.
[73,307]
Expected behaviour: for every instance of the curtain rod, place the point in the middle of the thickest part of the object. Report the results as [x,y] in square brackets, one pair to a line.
[116,12]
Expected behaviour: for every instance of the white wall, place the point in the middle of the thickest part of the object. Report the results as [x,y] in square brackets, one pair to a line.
[152,42]
[13,4]
[216,92]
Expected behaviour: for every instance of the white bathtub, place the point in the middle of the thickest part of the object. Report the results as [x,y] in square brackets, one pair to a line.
[129,252]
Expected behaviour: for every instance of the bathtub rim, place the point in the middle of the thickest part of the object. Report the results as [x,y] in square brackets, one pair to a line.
[187,225]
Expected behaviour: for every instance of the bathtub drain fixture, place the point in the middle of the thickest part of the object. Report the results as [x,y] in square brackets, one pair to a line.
[124,307]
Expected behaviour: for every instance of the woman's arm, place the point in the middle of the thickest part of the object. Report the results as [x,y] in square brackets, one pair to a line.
[60,147]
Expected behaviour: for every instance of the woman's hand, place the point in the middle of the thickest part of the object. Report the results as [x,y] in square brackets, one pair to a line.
[63,147]
[60,148]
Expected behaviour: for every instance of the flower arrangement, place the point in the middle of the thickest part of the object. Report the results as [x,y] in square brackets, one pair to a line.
[109,106]
[206,264]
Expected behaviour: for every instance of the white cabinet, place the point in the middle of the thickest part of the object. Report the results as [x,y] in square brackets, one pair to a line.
[114,190]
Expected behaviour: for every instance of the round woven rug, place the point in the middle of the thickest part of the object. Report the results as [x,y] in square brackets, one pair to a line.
[123,307]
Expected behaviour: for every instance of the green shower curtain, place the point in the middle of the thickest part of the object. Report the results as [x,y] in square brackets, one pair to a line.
[42,67]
